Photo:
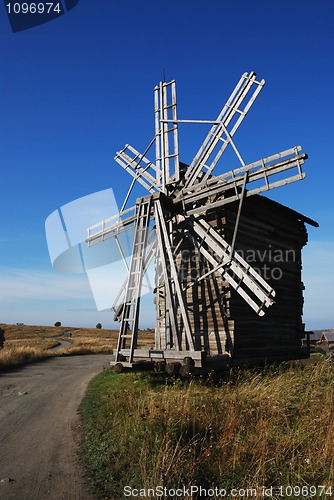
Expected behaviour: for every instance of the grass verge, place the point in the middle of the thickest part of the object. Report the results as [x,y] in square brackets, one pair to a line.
[272,428]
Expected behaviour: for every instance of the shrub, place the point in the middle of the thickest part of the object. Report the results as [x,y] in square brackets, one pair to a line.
[57,323]
[99,326]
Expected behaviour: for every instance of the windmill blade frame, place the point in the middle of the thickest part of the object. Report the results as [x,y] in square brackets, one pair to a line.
[166,134]
[215,135]
[232,181]
[244,279]
[188,204]
[130,159]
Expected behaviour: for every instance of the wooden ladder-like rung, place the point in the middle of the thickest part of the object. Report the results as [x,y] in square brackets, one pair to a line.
[130,311]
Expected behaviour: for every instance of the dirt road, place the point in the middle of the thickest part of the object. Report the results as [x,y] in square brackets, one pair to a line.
[39,428]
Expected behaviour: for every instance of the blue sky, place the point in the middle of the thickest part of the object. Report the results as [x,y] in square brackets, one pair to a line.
[77,89]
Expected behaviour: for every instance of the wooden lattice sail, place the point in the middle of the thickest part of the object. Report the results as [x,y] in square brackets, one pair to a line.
[215,243]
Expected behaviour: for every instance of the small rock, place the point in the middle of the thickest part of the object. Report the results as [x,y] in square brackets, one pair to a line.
[22,393]
[7,480]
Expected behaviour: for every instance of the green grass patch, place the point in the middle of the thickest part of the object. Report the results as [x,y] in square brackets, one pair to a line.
[268,428]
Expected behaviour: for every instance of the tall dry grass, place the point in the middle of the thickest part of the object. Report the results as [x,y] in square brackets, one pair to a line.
[274,428]
[26,343]
[15,356]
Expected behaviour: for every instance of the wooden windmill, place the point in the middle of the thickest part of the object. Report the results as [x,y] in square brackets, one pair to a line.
[179,225]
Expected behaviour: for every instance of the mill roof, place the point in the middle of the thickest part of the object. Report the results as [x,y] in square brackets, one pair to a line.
[289,211]
[327,336]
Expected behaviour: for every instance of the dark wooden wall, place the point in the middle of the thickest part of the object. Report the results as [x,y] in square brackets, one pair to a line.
[274,237]
[270,238]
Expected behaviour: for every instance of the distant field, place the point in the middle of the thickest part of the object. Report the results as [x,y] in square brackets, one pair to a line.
[26,343]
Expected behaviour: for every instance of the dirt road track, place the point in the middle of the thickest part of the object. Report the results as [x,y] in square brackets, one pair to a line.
[39,428]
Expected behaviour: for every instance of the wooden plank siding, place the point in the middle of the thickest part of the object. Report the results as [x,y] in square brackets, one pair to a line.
[270,238]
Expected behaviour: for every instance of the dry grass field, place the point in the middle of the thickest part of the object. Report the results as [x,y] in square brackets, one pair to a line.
[26,343]
[271,427]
